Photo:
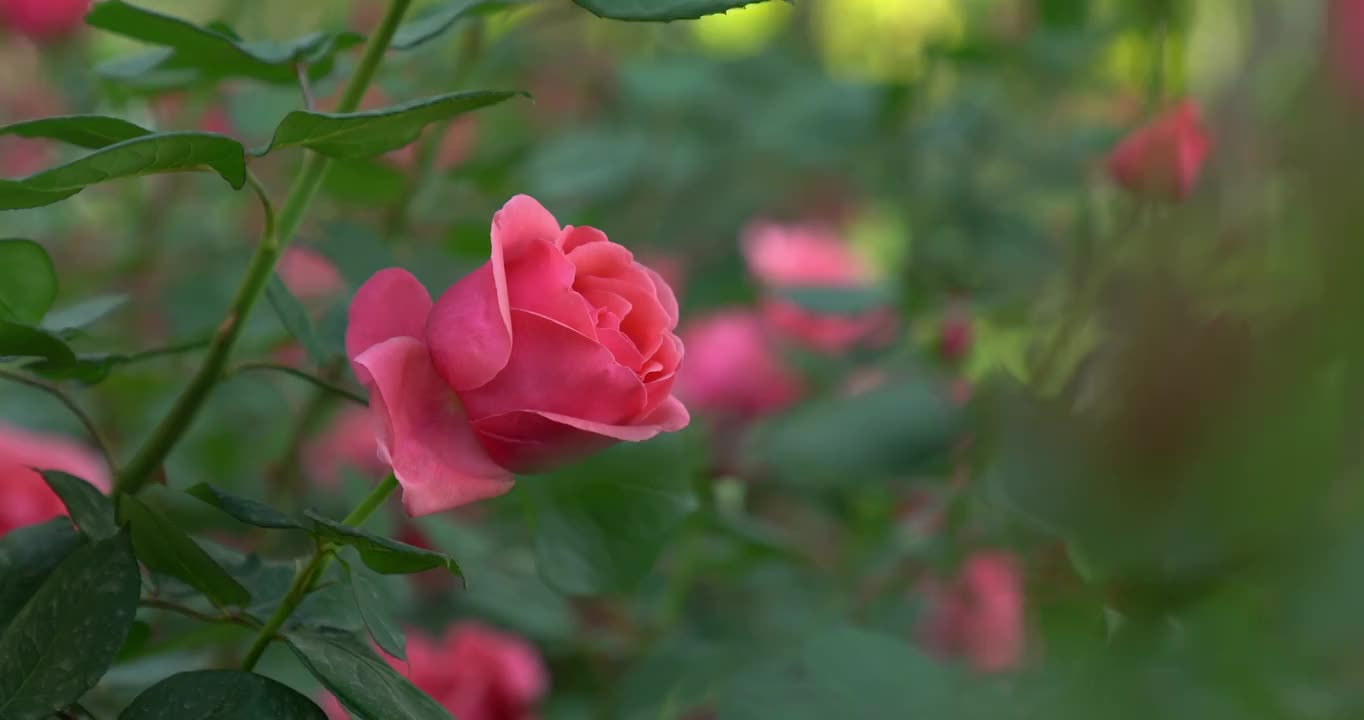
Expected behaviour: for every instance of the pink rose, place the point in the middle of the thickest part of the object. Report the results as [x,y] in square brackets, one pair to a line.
[559,346]
[347,442]
[1345,34]
[732,367]
[475,672]
[954,337]
[1163,159]
[309,275]
[979,616]
[25,499]
[783,257]
[43,19]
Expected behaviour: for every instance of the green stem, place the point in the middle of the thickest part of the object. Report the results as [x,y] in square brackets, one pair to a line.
[144,464]
[306,578]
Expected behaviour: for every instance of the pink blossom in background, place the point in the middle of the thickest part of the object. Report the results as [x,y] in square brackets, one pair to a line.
[309,275]
[1345,42]
[955,335]
[1163,159]
[473,671]
[783,257]
[979,616]
[347,442]
[25,499]
[559,346]
[733,367]
[43,20]
[21,157]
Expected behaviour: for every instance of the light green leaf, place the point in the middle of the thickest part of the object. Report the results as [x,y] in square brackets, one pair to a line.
[28,281]
[87,131]
[211,53]
[435,20]
[375,605]
[145,155]
[165,548]
[68,633]
[364,683]
[221,695]
[92,512]
[375,132]
[27,556]
[381,554]
[660,10]
[294,317]
[69,319]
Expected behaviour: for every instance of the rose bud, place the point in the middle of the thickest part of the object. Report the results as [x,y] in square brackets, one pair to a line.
[1163,159]
[25,499]
[559,346]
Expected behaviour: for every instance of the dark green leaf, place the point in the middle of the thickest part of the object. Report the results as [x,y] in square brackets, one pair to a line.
[221,695]
[660,10]
[389,557]
[600,524]
[889,431]
[83,313]
[27,556]
[294,317]
[165,548]
[199,52]
[251,512]
[138,637]
[360,679]
[28,281]
[18,340]
[158,153]
[375,132]
[87,131]
[840,300]
[92,512]
[435,20]
[68,633]
[375,607]
[87,368]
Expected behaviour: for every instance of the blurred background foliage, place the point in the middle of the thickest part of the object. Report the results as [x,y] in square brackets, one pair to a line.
[1153,413]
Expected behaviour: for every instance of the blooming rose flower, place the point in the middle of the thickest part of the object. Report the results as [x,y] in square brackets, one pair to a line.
[475,672]
[732,367]
[559,346]
[24,498]
[979,617]
[793,256]
[43,20]
[1164,158]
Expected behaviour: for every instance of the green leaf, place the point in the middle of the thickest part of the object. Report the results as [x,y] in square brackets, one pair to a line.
[165,548]
[840,300]
[145,155]
[251,512]
[890,431]
[88,131]
[375,605]
[82,314]
[197,52]
[435,20]
[92,512]
[27,556]
[844,673]
[660,10]
[68,633]
[389,557]
[17,340]
[600,524]
[364,683]
[375,132]
[28,281]
[87,368]
[294,317]
[221,695]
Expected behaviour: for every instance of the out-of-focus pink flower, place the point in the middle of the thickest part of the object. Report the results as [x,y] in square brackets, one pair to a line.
[168,108]
[1163,159]
[43,20]
[309,275]
[559,346]
[1345,38]
[475,672]
[24,498]
[979,616]
[954,337]
[784,257]
[21,157]
[347,442]
[732,367]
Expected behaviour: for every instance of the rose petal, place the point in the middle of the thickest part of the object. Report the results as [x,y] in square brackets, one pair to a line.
[599,256]
[666,297]
[556,369]
[541,281]
[469,330]
[529,441]
[661,371]
[573,238]
[622,348]
[647,319]
[520,223]
[426,436]
[390,304]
